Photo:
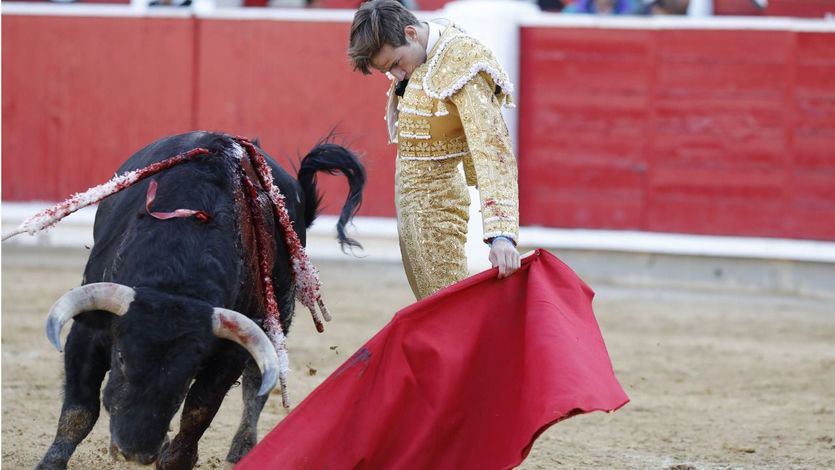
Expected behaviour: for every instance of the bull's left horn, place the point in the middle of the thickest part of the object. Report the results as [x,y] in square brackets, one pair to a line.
[108,296]
[237,327]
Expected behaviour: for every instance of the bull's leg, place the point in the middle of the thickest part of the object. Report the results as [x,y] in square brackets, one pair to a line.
[203,401]
[247,435]
[86,361]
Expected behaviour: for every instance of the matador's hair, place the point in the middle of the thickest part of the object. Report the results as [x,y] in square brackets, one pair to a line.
[377,23]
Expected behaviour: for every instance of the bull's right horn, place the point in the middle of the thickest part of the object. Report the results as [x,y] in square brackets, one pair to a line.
[237,327]
[108,296]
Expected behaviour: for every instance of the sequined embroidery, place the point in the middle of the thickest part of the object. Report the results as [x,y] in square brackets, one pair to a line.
[434,137]
[415,128]
[436,149]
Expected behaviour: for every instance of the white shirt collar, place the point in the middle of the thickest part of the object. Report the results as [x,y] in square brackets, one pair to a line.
[434,34]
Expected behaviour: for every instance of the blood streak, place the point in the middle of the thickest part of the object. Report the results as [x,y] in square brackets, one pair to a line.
[235,329]
[272,320]
[306,278]
[262,240]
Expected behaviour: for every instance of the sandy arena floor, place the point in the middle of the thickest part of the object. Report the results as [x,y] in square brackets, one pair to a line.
[717,380]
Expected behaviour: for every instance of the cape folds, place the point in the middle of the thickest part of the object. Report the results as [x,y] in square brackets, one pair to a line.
[466,378]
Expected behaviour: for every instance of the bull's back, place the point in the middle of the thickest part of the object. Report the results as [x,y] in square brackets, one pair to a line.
[182,254]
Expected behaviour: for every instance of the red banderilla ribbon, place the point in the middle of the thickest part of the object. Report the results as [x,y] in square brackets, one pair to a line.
[149,199]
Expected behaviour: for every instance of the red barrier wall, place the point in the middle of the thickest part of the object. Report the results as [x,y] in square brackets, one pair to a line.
[736,8]
[719,132]
[812,134]
[425,5]
[81,94]
[73,110]
[714,132]
[262,78]
[800,8]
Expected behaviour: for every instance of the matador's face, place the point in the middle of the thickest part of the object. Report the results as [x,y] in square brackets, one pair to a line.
[403,60]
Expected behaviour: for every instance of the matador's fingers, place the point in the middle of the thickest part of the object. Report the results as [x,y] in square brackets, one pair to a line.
[504,266]
[511,264]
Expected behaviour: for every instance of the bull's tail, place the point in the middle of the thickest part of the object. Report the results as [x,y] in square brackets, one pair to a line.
[333,159]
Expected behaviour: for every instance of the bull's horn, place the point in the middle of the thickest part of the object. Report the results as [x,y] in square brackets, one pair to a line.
[234,326]
[108,296]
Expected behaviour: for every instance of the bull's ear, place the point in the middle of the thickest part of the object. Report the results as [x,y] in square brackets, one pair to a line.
[256,141]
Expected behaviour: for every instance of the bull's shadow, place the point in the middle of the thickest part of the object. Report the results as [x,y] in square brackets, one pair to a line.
[176,297]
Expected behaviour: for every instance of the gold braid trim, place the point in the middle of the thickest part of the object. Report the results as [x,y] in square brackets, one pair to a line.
[458,59]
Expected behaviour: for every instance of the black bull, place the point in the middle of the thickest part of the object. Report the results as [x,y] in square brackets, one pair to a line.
[165,283]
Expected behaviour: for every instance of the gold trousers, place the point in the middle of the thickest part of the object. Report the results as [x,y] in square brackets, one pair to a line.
[432,212]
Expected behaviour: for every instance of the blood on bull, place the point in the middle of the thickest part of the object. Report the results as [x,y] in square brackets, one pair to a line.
[190,284]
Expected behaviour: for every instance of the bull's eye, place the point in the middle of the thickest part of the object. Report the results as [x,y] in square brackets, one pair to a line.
[121,359]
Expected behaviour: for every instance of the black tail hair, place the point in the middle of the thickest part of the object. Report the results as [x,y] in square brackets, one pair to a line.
[333,159]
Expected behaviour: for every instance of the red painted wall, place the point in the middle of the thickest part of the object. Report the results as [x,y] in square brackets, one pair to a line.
[425,5]
[272,80]
[800,8]
[811,175]
[583,127]
[81,94]
[713,132]
[719,132]
[736,8]
[73,110]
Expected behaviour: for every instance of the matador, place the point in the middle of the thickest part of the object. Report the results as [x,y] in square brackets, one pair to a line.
[444,111]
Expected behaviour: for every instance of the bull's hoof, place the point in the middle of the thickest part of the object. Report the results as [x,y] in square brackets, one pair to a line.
[51,465]
[178,459]
[241,445]
[56,457]
[164,463]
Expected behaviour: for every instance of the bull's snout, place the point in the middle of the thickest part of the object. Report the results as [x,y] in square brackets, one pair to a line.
[144,458]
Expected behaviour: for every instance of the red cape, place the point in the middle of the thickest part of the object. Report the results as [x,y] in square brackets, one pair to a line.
[466,378]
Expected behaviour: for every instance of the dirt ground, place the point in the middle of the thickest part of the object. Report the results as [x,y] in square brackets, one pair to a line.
[717,380]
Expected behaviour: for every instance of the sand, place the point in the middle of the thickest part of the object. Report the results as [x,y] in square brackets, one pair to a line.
[717,379]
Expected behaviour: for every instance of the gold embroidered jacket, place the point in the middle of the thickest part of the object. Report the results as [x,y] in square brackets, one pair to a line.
[451,109]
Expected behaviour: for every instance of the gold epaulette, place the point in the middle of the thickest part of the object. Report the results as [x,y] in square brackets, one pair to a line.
[458,59]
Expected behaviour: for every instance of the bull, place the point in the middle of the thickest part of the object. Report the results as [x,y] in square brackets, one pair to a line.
[174,309]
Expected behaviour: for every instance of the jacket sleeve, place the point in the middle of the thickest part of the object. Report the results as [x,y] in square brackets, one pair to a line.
[492,157]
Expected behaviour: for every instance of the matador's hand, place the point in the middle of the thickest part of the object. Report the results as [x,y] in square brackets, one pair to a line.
[504,255]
